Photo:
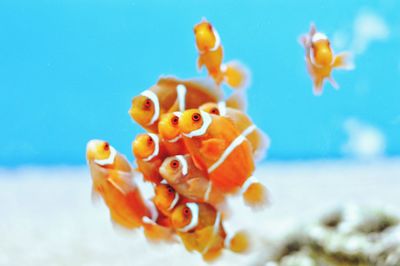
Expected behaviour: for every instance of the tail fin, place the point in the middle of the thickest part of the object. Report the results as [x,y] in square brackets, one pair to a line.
[237,100]
[264,144]
[255,195]
[240,242]
[236,75]
[344,61]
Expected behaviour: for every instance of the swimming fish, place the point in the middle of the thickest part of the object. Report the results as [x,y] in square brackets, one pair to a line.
[258,139]
[112,180]
[181,173]
[169,132]
[200,228]
[217,147]
[166,199]
[211,54]
[321,60]
[149,152]
[170,95]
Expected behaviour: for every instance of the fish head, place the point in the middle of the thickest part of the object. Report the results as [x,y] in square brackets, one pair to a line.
[165,197]
[204,35]
[174,169]
[321,50]
[97,150]
[168,126]
[144,110]
[183,215]
[211,108]
[194,122]
[144,145]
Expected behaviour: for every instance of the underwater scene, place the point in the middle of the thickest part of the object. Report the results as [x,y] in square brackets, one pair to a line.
[254,133]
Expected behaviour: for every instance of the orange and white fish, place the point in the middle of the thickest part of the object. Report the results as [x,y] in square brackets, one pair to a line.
[169,132]
[200,228]
[258,139]
[166,199]
[149,152]
[211,54]
[217,147]
[169,95]
[181,173]
[112,180]
[321,60]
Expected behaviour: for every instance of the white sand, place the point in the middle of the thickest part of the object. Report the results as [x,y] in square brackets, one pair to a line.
[47,217]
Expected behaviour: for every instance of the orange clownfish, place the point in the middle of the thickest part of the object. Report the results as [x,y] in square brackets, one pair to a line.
[169,132]
[321,60]
[166,199]
[170,95]
[217,147]
[182,174]
[200,228]
[112,180]
[149,152]
[259,140]
[210,51]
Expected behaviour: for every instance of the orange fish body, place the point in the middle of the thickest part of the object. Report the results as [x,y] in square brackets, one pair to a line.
[217,147]
[200,228]
[170,95]
[321,60]
[181,173]
[211,55]
[149,152]
[258,139]
[169,132]
[111,176]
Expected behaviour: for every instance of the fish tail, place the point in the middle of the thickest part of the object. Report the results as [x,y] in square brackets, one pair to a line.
[236,75]
[255,195]
[343,61]
[240,242]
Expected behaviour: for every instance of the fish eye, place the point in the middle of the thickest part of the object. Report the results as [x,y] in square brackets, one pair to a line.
[174,120]
[106,146]
[215,111]
[209,26]
[186,211]
[147,104]
[170,189]
[149,140]
[196,117]
[174,164]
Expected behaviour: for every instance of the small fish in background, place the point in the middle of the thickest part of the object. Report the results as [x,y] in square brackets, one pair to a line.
[112,180]
[199,225]
[258,139]
[170,95]
[209,47]
[149,152]
[181,173]
[321,60]
[218,148]
[170,134]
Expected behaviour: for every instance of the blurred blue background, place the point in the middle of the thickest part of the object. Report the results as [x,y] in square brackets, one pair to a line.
[68,71]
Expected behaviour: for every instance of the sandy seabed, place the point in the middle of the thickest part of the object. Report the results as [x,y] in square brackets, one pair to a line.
[47,216]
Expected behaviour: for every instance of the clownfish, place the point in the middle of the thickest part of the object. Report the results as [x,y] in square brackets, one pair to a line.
[169,132]
[199,225]
[181,173]
[170,95]
[258,139]
[112,180]
[166,199]
[149,152]
[217,147]
[209,47]
[321,60]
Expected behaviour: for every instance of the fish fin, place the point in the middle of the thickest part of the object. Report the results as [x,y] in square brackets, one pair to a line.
[313,29]
[237,100]
[121,183]
[197,184]
[188,240]
[236,75]
[213,148]
[212,255]
[200,63]
[333,82]
[95,196]
[256,195]
[264,144]
[343,61]
[318,85]
[206,85]
[158,233]
[240,242]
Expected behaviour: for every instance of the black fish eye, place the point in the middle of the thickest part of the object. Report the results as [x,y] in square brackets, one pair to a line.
[196,117]
[174,120]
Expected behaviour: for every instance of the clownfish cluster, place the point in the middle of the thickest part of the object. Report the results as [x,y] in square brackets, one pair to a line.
[199,148]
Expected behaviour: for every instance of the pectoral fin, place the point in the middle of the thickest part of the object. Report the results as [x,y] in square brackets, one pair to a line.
[213,148]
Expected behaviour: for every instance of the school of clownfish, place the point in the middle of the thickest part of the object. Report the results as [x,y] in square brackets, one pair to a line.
[199,149]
